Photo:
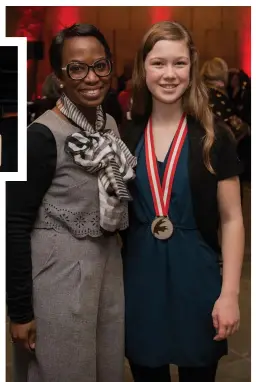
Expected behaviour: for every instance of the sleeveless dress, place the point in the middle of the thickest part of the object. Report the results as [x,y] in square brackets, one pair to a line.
[78,297]
[170,286]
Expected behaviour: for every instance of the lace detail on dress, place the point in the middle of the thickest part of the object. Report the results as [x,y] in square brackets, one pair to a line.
[124,220]
[79,224]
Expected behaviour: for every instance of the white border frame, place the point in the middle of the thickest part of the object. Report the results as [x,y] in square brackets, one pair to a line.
[21,43]
[22,126]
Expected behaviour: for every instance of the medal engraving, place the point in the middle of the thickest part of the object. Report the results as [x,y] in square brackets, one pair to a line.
[162,228]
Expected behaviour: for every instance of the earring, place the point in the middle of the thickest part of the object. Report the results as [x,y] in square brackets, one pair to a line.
[61,86]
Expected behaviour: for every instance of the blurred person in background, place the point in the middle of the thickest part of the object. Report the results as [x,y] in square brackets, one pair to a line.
[126,76]
[51,92]
[111,105]
[239,90]
[215,75]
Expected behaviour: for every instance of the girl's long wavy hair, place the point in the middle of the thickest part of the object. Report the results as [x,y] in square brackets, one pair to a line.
[195,99]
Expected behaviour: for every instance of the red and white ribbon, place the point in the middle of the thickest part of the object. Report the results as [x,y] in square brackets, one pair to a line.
[162,194]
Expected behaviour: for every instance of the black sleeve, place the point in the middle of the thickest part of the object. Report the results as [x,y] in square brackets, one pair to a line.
[23,200]
[228,162]
[9,133]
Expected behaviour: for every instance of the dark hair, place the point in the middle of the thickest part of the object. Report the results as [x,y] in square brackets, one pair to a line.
[83,30]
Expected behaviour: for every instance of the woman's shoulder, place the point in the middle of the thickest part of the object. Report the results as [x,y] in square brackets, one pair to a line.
[37,129]
[45,122]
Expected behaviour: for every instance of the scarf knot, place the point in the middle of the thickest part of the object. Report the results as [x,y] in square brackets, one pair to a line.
[99,151]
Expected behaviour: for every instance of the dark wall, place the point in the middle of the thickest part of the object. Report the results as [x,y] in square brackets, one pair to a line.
[8,74]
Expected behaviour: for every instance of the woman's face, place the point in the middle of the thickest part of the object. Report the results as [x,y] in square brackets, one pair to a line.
[167,69]
[90,91]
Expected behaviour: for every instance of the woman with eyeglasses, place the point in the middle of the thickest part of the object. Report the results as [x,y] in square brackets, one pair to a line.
[64,270]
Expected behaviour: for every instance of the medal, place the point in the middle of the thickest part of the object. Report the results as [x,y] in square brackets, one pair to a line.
[162,227]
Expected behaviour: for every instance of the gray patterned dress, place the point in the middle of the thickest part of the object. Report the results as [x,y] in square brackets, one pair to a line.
[77,279]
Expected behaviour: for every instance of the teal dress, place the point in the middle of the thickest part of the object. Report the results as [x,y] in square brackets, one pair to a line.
[170,286]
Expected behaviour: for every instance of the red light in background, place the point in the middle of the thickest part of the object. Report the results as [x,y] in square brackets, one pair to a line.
[245,40]
[65,17]
[160,14]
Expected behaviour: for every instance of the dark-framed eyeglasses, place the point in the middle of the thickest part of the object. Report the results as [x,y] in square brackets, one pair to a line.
[79,70]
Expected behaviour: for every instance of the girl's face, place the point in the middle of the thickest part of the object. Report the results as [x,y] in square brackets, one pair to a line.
[167,68]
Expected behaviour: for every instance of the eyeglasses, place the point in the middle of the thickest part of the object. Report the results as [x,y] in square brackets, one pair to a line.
[79,70]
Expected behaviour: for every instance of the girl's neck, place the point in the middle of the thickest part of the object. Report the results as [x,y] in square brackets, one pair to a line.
[166,115]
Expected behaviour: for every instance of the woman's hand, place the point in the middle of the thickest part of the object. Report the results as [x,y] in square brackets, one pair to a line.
[226,316]
[24,334]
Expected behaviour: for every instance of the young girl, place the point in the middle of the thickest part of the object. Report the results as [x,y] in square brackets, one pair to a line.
[178,309]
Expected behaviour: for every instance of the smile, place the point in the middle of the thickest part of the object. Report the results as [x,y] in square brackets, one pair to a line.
[168,86]
[91,93]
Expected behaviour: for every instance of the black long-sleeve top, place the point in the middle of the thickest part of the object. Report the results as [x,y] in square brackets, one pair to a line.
[9,134]
[23,200]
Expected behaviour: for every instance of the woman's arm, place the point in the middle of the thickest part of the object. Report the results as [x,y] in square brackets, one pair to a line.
[23,200]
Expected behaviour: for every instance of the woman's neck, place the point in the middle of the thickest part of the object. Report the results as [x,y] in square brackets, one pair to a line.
[89,113]
[166,115]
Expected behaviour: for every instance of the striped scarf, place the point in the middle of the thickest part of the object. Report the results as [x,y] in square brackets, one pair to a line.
[100,151]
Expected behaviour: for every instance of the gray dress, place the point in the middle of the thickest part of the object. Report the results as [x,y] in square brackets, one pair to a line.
[77,279]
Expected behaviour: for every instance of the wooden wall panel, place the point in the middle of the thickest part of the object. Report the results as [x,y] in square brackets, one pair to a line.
[207,17]
[114,17]
[140,18]
[183,15]
[216,31]
[221,43]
